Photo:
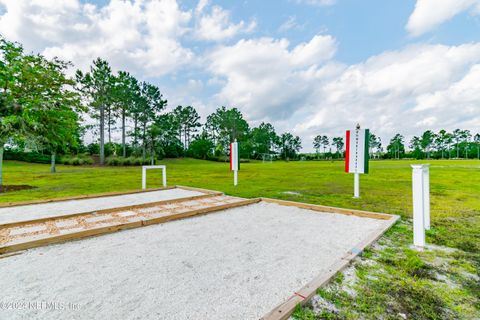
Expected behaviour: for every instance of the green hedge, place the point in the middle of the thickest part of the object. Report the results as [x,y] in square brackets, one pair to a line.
[26,156]
[76,160]
[130,161]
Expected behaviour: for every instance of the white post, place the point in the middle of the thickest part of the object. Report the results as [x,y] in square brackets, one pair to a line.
[164,169]
[235,177]
[144,178]
[426,196]
[418,206]
[356,187]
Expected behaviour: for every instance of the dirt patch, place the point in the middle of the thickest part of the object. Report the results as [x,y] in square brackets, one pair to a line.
[7,188]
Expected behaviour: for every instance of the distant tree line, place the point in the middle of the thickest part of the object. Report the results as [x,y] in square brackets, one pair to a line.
[42,109]
[441,145]
[458,144]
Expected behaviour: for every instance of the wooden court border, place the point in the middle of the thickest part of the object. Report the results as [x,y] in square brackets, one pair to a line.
[123,226]
[101,195]
[284,310]
[281,312]
[110,210]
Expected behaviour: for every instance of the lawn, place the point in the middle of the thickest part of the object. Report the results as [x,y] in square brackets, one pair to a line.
[442,282]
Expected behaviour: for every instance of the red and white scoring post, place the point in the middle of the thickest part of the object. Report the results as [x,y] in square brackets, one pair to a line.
[234,161]
[356,156]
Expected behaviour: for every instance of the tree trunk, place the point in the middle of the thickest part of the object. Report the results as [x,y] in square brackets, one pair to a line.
[52,163]
[1,164]
[109,125]
[144,151]
[124,153]
[102,135]
[152,153]
[135,125]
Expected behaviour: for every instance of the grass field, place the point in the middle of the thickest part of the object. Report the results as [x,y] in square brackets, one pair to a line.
[392,280]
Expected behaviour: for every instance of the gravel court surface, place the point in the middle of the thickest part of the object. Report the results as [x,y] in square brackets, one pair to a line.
[235,264]
[53,209]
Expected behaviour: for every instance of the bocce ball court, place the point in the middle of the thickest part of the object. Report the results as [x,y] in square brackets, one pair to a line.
[176,253]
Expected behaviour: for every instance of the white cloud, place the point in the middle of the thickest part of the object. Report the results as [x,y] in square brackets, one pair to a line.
[267,78]
[301,89]
[141,36]
[216,25]
[457,103]
[318,2]
[402,91]
[289,24]
[430,13]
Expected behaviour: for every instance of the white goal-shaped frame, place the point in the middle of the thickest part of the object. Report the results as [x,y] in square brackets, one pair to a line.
[144,174]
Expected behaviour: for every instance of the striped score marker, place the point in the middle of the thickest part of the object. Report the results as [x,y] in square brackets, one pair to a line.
[234,161]
[356,157]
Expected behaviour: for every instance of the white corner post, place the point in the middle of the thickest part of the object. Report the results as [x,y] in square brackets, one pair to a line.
[144,175]
[234,161]
[426,196]
[356,188]
[418,205]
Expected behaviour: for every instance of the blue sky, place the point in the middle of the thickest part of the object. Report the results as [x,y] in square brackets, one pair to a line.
[308,66]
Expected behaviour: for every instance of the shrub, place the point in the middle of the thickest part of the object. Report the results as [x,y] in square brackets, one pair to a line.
[78,160]
[130,161]
[26,156]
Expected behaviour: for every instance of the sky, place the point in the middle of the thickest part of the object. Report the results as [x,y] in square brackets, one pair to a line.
[307,66]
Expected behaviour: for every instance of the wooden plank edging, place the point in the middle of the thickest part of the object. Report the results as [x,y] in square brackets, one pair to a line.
[104,211]
[86,196]
[327,209]
[135,224]
[198,189]
[285,309]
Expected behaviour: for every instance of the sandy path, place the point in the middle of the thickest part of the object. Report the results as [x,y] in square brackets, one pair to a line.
[51,209]
[235,264]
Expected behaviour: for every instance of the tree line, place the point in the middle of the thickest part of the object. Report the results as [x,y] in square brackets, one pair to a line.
[42,108]
[458,144]
[441,145]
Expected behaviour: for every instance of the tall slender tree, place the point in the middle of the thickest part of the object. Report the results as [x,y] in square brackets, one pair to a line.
[127,92]
[338,143]
[396,146]
[151,104]
[441,142]
[188,121]
[263,138]
[97,87]
[325,144]
[416,146]
[289,145]
[426,141]
[317,144]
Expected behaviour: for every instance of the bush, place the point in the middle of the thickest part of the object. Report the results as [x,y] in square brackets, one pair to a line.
[130,161]
[113,161]
[26,156]
[78,160]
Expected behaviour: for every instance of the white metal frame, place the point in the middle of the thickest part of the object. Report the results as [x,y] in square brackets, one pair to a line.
[144,174]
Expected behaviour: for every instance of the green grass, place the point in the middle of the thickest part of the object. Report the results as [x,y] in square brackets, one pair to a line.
[398,281]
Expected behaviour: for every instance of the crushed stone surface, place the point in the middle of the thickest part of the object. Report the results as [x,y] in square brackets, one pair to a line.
[234,264]
[52,209]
